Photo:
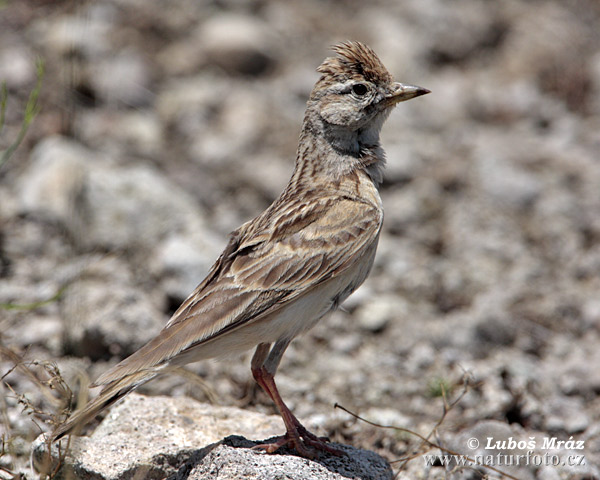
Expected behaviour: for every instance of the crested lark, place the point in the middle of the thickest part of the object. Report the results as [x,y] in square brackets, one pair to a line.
[299,259]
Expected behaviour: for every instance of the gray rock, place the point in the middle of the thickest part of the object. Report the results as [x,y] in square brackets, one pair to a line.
[17,66]
[575,370]
[238,44]
[502,180]
[376,314]
[122,78]
[55,179]
[233,458]
[238,127]
[566,414]
[138,131]
[186,105]
[182,261]
[548,473]
[87,32]
[154,436]
[493,332]
[99,202]
[548,47]
[106,314]
[463,32]
[114,198]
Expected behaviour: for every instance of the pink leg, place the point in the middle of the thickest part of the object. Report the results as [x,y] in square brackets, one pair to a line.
[304,442]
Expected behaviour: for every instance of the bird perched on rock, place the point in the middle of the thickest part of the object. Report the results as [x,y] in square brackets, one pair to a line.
[299,259]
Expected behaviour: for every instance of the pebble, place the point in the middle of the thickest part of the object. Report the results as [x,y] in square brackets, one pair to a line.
[238,44]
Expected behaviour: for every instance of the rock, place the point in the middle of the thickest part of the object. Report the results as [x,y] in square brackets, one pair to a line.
[549,52]
[233,458]
[504,181]
[114,198]
[566,414]
[139,131]
[574,369]
[187,105]
[548,473]
[155,435]
[182,261]
[463,33]
[17,66]
[185,439]
[239,126]
[493,332]
[99,202]
[122,78]
[376,314]
[238,44]
[106,314]
[87,32]
[55,179]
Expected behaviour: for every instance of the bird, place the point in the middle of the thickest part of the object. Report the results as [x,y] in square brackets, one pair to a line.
[281,272]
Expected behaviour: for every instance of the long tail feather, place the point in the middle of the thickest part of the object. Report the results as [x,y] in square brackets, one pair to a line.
[111,392]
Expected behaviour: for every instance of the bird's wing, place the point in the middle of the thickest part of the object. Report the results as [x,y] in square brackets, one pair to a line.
[266,264]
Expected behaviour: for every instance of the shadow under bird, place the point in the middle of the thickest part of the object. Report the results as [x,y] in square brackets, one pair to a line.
[298,260]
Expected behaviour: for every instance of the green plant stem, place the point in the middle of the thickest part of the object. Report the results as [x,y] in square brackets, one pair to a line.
[31,110]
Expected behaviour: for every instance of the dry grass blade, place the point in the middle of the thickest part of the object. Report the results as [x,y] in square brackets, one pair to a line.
[194,378]
[425,439]
[54,382]
[47,379]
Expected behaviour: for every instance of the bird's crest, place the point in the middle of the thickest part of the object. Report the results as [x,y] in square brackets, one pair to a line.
[354,60]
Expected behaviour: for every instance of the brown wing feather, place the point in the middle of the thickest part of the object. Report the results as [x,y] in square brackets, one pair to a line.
[264,266]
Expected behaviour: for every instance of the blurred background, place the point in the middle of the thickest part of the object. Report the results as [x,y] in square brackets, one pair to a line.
[162,126]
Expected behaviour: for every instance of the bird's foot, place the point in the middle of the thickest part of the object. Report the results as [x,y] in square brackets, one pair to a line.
[305,443]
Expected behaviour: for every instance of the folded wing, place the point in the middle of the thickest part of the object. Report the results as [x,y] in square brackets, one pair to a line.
[267,263]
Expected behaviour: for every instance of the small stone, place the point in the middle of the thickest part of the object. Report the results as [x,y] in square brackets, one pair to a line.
[122,78]
[238,44]
[54,179]
[87,33]
[114,198]
[139,131]
[492,333]
[506,182]
[566,414]
[376,314]
[101,321]
[182,262]
[17,66]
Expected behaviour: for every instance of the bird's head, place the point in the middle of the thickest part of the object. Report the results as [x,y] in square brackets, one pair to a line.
[356,93]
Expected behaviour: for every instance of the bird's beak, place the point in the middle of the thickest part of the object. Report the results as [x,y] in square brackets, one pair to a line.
[402,93]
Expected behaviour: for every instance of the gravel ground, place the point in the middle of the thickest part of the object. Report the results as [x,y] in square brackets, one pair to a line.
[162,127]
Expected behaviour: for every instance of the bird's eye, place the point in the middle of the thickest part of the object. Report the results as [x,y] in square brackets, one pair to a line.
[359,89]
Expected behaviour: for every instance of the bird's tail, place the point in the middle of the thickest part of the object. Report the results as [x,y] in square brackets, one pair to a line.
[111,392]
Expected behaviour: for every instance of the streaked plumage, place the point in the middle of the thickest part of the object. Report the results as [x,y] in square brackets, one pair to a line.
[285,269]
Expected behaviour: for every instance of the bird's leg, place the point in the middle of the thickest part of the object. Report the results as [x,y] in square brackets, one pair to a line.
[264,366]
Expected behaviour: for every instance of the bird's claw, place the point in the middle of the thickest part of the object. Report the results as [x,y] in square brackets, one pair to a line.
[305,443]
